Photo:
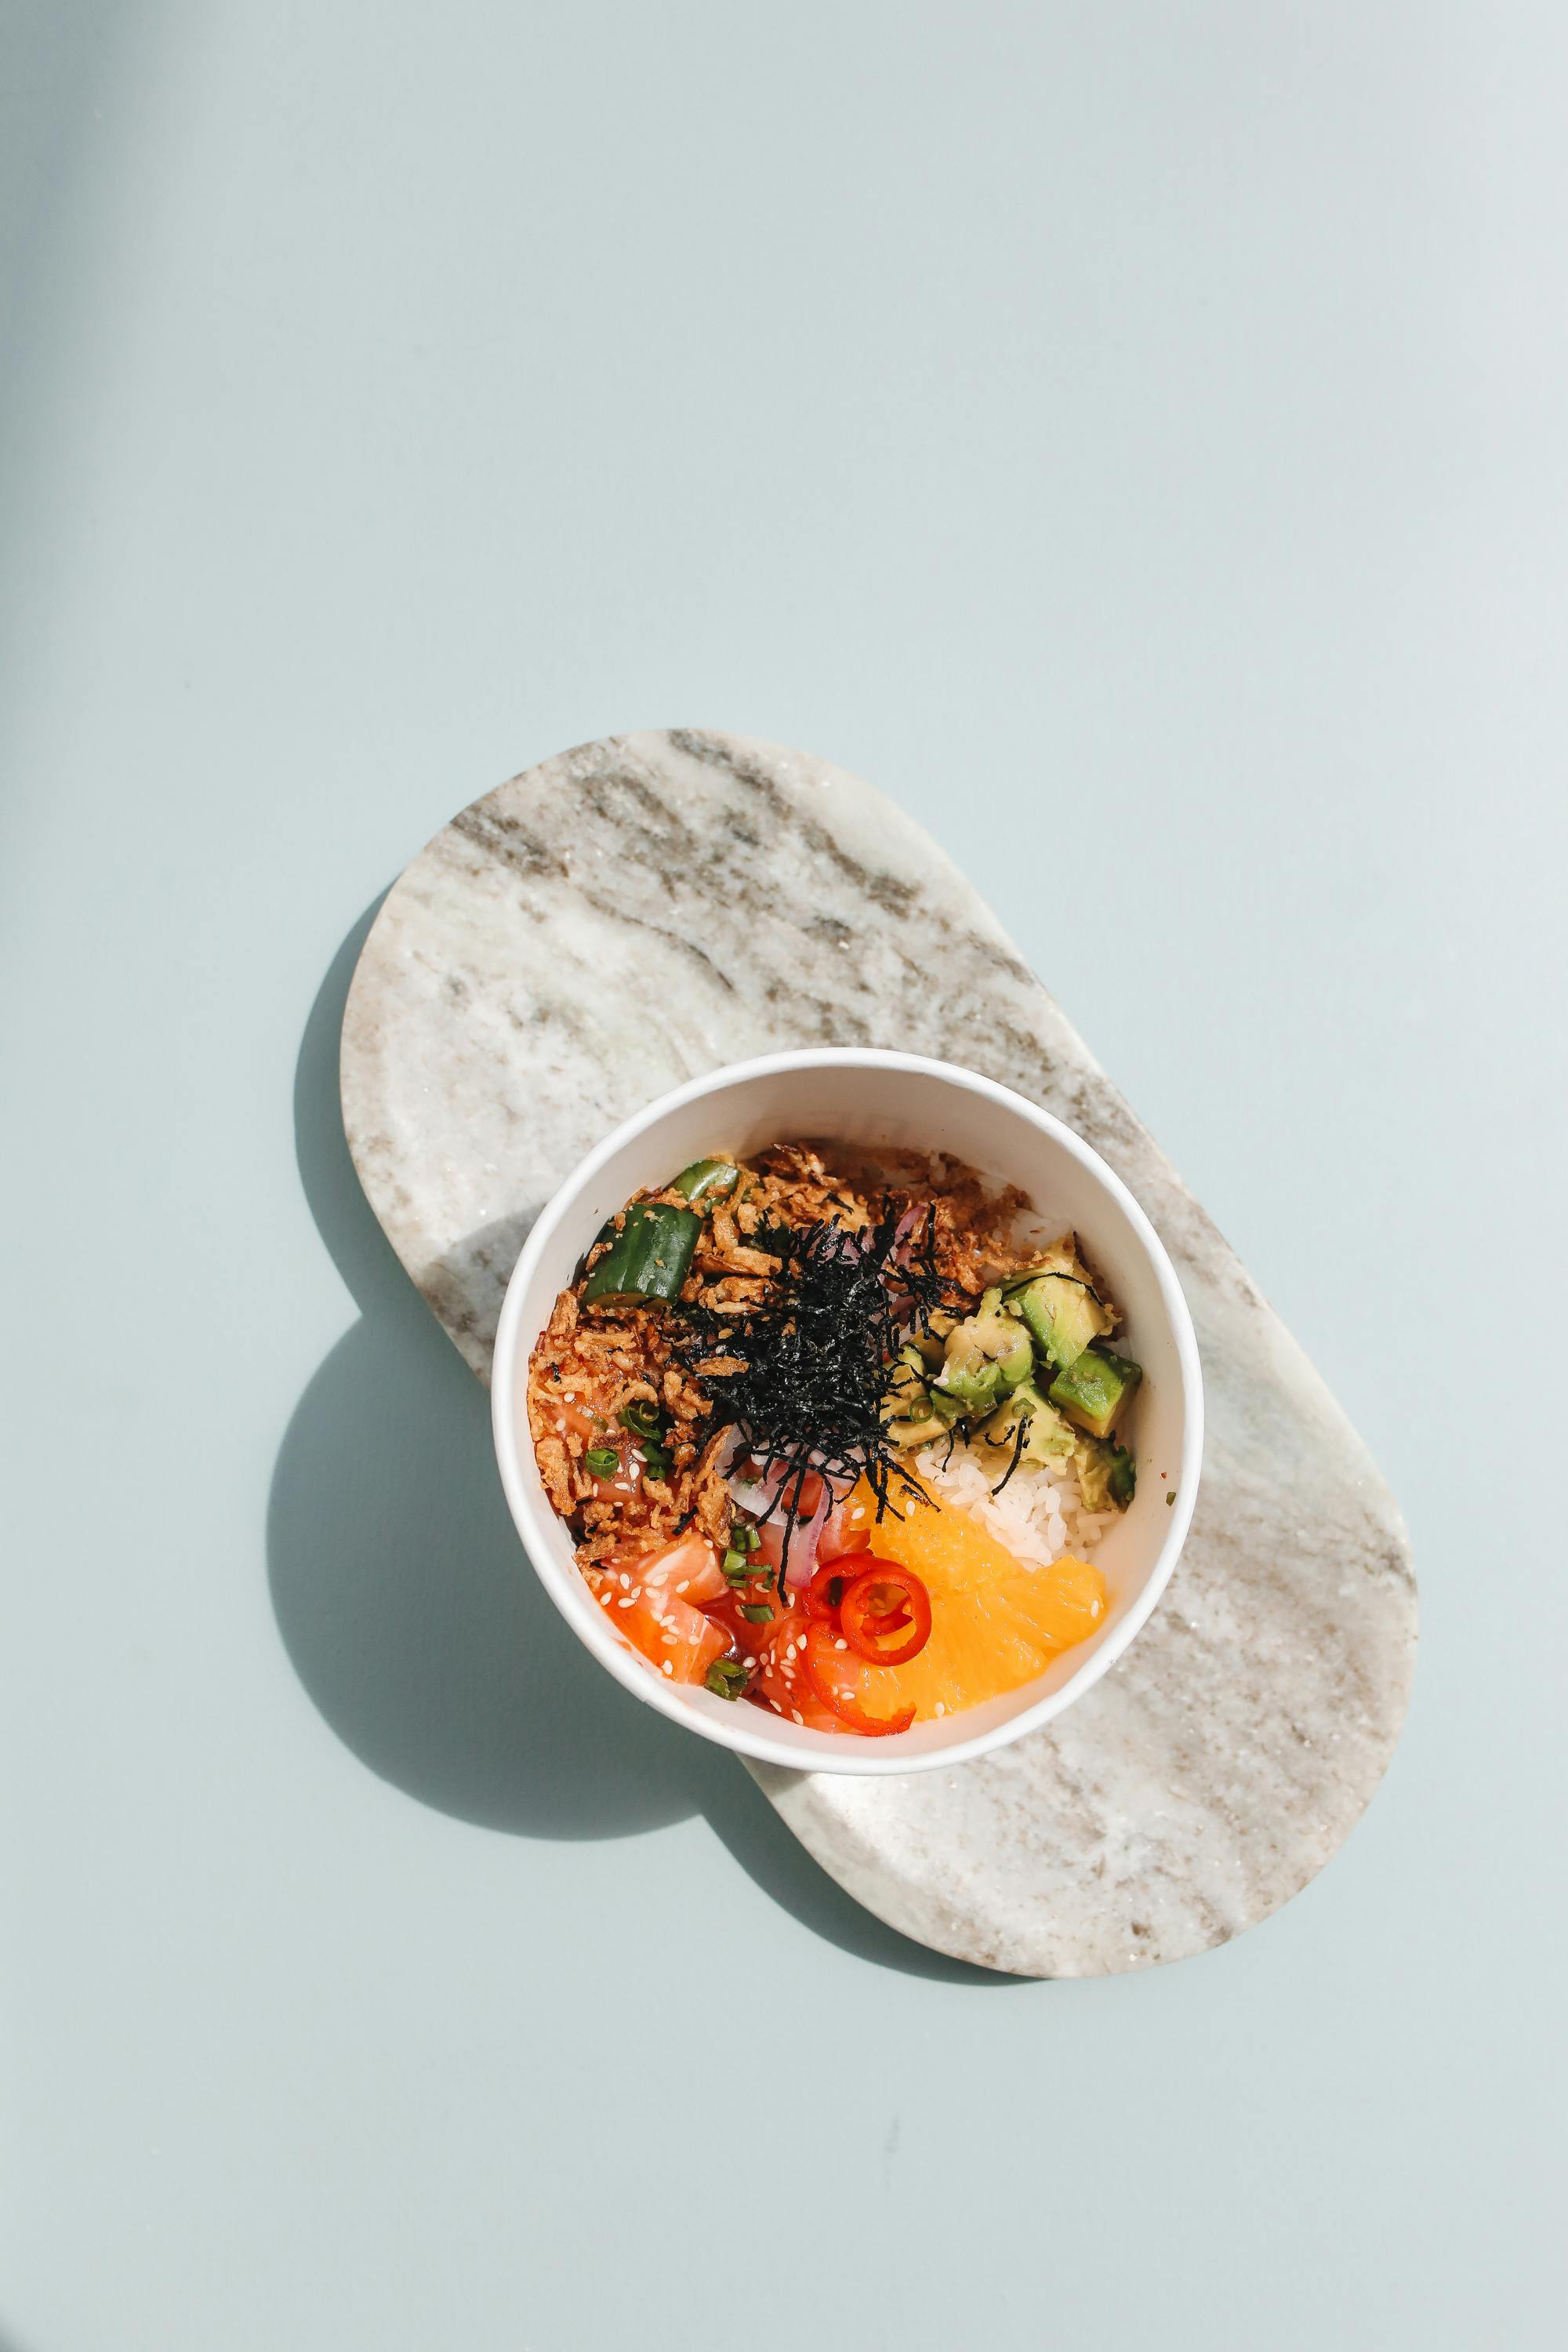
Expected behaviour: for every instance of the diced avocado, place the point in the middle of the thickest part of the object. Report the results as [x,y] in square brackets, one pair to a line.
[986,1356]
[1063,1315]
[1094,1392]
[1092,1466]
[906,1388]
[947,1407]
[903,1434]
[1107,1474]
[907,1414]
[1049,1438]
[974,1388]
[1058,1299]
[931,1342]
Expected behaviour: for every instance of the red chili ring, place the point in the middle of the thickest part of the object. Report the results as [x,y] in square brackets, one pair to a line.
[819,1600]
[867,1627]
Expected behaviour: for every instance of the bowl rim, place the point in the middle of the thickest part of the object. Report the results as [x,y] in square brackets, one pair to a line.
[534,1525]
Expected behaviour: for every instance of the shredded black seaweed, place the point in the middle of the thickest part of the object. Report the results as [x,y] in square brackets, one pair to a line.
[1020,1439]
[1055,1273]
[815,1357]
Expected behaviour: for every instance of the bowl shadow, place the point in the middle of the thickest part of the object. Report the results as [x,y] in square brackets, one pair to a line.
[406,1607]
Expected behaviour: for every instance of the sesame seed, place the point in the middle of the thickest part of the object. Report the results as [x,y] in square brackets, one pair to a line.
[667,1667]
[685,1585]
[941,1706]
[797,1714]
[841,1645]
[625,1601]
[626,1581]
[670,1641]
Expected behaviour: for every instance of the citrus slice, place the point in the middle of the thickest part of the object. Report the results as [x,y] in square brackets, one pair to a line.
[996,1621]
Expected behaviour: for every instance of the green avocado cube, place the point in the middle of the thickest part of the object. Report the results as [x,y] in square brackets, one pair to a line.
[1063,1315]
[1096,1389]
[1107,1474]
[987,1356]
[1048,1438]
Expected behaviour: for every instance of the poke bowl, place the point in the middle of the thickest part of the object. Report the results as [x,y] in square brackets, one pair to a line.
[849,1410]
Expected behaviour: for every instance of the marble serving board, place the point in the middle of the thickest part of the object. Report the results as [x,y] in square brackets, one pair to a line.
[645,909]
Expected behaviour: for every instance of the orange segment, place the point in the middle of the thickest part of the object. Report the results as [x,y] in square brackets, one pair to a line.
[995,1623]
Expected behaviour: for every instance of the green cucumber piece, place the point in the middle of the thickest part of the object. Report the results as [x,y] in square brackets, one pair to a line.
[650,1257]
[706,1180]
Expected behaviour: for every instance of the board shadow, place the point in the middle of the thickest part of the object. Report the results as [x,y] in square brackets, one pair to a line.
[405,1604]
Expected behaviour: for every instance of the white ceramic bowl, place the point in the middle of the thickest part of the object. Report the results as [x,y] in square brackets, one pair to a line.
[890,1099]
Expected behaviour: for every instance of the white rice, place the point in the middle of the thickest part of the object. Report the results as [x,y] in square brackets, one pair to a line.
[1039,1513]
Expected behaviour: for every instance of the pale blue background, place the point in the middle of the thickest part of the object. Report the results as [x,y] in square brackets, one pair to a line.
[1132,435]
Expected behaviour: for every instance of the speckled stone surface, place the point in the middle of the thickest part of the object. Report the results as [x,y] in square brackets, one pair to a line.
[641,909]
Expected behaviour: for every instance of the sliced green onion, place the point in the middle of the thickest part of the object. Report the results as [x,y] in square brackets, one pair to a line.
[655,1461]
[726,1678]
[601,1460]
[735,1567]
[759,1612]
[641,1420]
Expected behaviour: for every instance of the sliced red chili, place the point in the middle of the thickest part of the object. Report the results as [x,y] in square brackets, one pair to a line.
[886,1614]
[826,1590]
[834,1676]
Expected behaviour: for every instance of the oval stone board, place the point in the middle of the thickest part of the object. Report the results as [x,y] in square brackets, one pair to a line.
[645,909]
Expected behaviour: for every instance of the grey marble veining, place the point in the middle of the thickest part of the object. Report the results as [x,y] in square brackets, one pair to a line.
[641,909]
